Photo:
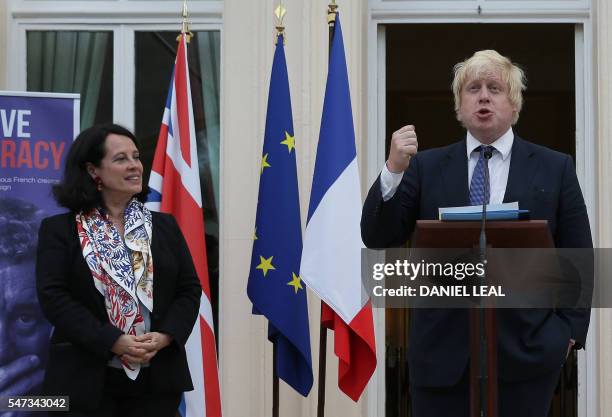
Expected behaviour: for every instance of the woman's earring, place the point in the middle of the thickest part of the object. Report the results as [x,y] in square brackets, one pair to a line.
[98,182]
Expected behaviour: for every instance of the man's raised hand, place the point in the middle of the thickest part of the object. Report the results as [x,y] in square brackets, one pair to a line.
[404,146]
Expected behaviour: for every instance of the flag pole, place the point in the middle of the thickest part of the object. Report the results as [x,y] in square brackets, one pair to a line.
[279,12]
[331,21]
[185,27]
[322,364]
[171,181]
[275,399]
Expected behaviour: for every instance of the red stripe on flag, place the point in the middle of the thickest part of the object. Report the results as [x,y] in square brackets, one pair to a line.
[211,386]
[181,89]
[160,151]
[177,200]
[355,348]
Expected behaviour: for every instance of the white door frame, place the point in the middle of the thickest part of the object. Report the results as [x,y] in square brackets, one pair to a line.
[381,13]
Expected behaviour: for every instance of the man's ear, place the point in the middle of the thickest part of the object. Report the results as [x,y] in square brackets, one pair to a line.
[91,170]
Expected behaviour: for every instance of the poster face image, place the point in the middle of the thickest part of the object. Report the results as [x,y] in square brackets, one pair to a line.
[36,131]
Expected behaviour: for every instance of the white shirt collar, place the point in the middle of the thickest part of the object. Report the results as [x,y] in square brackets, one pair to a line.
[503,145]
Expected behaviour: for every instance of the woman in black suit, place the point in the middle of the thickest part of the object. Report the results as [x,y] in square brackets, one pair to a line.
[118,284]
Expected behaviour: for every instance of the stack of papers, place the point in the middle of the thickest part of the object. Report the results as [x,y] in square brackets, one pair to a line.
[505,211]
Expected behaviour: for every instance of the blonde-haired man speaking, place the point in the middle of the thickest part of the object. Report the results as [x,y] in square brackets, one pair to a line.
[533,344]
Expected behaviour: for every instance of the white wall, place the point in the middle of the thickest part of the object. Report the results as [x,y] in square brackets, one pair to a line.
[603,77]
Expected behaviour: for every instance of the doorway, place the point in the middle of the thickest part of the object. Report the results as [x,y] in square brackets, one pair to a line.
[418,73]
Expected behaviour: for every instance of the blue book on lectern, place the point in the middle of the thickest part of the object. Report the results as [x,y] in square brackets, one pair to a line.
[491,215]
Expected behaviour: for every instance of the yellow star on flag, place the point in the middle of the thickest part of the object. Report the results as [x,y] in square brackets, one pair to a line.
[296,282]
[255,234]
[264,162]
[289,141]
[265,264]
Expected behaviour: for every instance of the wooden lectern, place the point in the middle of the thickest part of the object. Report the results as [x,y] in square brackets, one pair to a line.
[500,234]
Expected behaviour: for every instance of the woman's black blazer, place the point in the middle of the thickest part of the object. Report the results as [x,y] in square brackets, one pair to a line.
[80,346]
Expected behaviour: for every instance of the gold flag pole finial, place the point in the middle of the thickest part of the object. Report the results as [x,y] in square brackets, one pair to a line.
[280,12]
[185,28]
[331,13]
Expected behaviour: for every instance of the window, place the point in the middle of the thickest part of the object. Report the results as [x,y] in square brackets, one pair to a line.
[74,62]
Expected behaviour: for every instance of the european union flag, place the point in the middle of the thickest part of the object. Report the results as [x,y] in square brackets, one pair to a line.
[275,286]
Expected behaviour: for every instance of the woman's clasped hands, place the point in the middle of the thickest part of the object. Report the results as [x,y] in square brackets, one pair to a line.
[140,349]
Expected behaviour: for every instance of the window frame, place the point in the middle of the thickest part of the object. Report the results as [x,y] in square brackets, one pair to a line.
[577,12]
[381,9]
[121,17]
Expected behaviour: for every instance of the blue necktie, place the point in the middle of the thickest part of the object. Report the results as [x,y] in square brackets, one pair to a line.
[477,186]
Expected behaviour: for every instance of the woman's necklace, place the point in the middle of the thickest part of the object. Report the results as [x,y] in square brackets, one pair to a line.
[119,223]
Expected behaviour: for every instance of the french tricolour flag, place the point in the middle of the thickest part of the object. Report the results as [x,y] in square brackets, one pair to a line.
[331,254]
[175,189]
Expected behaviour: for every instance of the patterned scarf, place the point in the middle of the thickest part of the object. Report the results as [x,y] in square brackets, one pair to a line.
[124,281]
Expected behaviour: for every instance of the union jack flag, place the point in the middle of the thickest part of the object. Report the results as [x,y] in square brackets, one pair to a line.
[175,189]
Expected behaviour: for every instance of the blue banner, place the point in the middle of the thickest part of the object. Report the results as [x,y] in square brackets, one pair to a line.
[36,130]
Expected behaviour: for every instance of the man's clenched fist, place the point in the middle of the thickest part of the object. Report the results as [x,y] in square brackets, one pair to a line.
[403,146]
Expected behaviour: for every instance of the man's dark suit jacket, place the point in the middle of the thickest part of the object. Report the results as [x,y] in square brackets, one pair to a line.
[530,342]
[80,347]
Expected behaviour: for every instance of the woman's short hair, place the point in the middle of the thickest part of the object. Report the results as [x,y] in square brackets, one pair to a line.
[19,221]
[483,63]
[78,191]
